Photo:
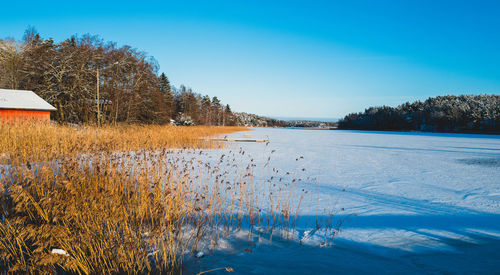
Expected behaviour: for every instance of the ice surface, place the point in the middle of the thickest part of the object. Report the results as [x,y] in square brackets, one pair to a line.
[409,202]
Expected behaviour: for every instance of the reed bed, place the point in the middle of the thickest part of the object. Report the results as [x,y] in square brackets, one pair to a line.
[134,199]
[40,141]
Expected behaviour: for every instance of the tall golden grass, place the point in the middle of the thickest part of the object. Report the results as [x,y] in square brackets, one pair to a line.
[39,141]
[119,199]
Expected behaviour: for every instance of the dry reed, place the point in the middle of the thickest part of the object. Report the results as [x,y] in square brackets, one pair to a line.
[118,199]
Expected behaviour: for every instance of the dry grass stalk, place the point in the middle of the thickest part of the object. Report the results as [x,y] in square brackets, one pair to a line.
[121,198]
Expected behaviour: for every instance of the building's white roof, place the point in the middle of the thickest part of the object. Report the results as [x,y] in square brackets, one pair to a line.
[23,100]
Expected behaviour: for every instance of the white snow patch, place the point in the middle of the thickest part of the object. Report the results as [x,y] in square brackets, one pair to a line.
[59,251]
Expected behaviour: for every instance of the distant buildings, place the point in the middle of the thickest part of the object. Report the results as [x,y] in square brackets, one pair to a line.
[18,105]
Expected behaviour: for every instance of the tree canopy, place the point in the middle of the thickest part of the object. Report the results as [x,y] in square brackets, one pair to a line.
[474,113]
[66,74]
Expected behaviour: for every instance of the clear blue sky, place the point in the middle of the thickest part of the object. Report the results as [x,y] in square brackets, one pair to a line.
[293,58]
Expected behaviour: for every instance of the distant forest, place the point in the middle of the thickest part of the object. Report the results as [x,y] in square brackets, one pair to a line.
[67,75]
[465,113]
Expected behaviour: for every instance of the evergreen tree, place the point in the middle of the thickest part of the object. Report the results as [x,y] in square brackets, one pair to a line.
[206,105]
[165,84]
[216,110]
[168,96]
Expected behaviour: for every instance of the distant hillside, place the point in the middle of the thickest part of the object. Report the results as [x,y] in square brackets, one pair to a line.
[311,124]
[246,119]
[465,113]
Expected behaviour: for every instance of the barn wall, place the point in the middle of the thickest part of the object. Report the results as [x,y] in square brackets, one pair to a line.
[9,115]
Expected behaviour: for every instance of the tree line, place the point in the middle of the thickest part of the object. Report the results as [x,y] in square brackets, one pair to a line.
[464,113]
[69,74]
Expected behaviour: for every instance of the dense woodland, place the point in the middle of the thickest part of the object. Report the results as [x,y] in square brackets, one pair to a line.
[68,75]
[465,113]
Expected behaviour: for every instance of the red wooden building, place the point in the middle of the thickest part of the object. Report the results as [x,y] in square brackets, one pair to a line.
[18,105]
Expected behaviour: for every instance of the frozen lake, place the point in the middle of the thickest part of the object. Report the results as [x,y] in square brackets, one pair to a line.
[411,203]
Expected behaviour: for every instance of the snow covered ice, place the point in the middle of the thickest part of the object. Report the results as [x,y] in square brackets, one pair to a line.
[410,203]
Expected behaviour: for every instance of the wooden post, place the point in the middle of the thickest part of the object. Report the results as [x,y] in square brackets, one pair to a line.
[98,99]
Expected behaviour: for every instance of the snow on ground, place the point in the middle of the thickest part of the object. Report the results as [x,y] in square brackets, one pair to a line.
[409,202]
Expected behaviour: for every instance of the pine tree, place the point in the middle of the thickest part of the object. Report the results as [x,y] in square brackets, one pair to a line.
[165,84]
[206,106]
[168,96]
[217,110]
